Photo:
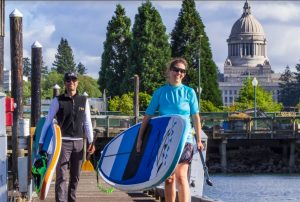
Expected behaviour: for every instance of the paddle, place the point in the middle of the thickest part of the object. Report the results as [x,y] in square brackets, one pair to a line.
[208,181]
[87,165]
[205,168]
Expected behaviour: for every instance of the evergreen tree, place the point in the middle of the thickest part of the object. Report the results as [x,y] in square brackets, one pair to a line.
[81,69]
[287,89]
[297,85]
[26,67]
[44,70]
[149,50]
[264,99]
[188,38]
[64,59]
[115,56]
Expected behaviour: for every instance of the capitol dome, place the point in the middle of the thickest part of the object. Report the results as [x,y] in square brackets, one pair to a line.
[247,44]
[246,25]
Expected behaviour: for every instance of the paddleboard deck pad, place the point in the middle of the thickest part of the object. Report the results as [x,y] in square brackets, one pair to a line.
[45,160]
[163,142]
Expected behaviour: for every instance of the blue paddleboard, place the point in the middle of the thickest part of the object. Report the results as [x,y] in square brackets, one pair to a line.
[125,169]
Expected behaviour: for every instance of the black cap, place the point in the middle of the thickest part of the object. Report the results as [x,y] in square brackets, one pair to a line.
[70,75]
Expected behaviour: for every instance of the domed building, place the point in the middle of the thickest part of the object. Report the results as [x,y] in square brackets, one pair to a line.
[247,56]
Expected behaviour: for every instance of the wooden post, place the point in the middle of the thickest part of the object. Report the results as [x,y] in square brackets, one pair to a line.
[36,64]
[56,90]
[2,33]
[16,52]
[136,98]
[292,157]
[223,155]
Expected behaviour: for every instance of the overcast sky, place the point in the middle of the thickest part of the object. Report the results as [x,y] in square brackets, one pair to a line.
[83,24]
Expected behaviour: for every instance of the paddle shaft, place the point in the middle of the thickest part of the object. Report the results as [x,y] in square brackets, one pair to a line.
[205,168]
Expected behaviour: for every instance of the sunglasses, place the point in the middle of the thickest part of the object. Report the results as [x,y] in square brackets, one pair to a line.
[68,80]
[177,69]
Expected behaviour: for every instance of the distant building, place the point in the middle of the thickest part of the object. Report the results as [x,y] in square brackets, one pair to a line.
[247,56]
[7,80]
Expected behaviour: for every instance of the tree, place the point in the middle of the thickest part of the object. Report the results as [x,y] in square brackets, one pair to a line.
[115,56]
[297,84]
[81,69]
[264,99]
[124,103]
[188,38]
[287,90]
[149,51]
[26,67]
[64,58]
[89,85]
[86,84]
[49,82]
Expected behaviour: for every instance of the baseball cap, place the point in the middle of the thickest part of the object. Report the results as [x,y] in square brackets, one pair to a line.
[70,75]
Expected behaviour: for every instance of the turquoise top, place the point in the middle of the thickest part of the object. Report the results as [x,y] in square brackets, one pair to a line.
[181,100]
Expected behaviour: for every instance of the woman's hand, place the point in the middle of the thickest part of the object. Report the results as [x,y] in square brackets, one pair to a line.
[200,146]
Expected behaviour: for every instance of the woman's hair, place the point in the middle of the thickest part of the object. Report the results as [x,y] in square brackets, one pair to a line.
[173,62]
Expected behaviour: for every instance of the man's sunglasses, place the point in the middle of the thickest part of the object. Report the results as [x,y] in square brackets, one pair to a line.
[177,69]
[68,80]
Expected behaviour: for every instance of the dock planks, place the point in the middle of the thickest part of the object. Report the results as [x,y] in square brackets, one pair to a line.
[89,192]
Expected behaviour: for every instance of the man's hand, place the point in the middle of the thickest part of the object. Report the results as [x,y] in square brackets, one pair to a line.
[138,145]
[91,148]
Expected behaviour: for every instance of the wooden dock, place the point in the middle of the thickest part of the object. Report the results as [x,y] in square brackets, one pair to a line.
[88,191]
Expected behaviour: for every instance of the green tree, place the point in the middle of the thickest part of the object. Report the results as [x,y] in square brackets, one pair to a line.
[287,88]
[144,100]
[124,103]
[64,58]
[297,84]
[115,56]
[81,69]
[26,90]
[149,50]
[26,67]
[49,82]
[188,38]
[89,85]
[264,99]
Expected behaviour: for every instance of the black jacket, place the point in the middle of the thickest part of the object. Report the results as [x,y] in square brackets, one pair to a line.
[71,114]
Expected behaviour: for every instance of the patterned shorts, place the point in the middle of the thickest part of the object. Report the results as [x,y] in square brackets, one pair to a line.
[187,154]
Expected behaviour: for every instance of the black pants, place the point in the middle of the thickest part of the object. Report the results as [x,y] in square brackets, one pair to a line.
[71,152]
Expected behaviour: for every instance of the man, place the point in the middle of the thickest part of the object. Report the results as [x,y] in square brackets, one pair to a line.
[72,112]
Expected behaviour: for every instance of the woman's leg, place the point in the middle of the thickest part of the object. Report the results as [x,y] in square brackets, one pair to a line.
[181,173]
[170,189]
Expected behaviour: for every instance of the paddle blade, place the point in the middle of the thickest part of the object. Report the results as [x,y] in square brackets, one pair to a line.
[87,166]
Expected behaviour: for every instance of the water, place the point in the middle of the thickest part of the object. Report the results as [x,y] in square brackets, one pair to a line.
[254,188]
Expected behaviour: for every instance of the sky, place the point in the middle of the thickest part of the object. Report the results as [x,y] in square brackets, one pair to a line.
[84,24]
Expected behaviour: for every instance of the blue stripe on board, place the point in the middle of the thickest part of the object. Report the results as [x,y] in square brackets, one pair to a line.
[126,146]
[153,143]
[48,138]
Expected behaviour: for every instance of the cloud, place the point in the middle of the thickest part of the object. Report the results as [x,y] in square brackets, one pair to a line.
[278,11]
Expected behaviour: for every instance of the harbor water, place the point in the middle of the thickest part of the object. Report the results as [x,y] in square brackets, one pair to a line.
[254,188]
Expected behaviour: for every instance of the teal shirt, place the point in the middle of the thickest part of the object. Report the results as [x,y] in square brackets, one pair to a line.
[181,100]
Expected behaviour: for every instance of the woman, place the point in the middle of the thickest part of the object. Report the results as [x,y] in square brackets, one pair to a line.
[176,98]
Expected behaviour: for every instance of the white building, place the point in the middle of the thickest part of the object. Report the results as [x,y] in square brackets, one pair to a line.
[247,56]
[7,80]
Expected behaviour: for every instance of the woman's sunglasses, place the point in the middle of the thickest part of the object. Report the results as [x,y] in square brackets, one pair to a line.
[177,69]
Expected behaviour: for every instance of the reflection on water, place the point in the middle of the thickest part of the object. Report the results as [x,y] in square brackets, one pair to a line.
[254,188]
